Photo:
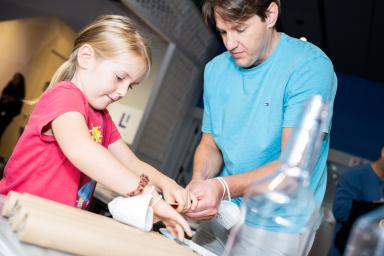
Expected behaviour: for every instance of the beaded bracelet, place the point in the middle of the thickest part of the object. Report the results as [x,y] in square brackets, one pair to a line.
[144,180]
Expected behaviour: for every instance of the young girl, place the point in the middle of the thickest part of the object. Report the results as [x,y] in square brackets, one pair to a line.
[70,141]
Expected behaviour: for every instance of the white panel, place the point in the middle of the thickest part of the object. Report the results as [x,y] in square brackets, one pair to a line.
[127,120]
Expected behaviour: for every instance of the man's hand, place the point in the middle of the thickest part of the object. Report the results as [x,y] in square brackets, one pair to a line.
[209,194]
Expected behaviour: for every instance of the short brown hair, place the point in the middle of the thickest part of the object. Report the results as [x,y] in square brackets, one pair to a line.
[236,10]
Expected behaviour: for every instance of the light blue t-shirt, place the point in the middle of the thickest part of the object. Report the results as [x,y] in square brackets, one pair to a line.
[246,109]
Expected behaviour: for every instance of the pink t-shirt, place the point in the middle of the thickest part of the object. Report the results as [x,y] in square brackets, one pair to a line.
[38,166]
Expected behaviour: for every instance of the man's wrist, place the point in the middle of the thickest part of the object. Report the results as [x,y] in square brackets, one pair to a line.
[225,186]
[197,176]
[221,187]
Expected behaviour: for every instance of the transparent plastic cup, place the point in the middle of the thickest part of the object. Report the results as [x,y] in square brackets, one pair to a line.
[367,236]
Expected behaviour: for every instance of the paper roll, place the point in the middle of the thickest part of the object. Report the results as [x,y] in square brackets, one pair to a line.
[69,235]
[50,224]
[9,203]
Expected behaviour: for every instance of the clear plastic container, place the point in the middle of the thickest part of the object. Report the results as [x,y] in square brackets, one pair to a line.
[282,204]
[367,236]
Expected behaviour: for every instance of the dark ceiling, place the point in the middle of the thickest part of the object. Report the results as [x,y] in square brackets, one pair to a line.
[349,31]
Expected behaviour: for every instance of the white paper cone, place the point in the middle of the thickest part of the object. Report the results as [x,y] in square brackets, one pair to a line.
[134,211]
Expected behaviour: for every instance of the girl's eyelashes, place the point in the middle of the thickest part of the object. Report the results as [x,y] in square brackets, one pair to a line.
[130,87]
[118,78]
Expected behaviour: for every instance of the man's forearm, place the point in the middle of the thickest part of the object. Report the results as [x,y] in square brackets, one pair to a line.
[239,183]
[207,162]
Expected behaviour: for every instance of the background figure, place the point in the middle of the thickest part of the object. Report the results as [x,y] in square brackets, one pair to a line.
[11,101]
[358,191]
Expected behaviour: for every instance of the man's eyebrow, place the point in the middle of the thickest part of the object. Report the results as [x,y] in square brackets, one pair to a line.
[239,24]
[236,25]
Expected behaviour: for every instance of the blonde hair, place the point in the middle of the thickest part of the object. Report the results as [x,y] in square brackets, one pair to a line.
[110,36]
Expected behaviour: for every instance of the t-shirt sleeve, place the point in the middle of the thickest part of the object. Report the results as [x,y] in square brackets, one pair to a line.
[313,77]
[112,133]
[55,102]
[206,126]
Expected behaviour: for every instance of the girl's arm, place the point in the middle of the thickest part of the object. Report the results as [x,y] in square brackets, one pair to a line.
[172,192]
[124,154]
[72,135]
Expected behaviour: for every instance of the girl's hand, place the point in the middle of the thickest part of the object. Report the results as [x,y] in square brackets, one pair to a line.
[175,195]
[172,220]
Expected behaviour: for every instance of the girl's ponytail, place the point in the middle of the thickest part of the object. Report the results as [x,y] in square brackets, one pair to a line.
[65,72]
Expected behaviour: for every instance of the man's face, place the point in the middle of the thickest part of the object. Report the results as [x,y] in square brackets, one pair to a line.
[247,41]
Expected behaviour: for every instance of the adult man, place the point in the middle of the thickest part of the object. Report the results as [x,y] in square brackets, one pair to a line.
[359,190]
[253,96]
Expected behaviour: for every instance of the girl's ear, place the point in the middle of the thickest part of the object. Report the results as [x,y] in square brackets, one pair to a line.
[272,15]
[85,56]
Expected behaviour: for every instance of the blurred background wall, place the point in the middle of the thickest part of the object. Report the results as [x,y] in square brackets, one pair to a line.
[35,47]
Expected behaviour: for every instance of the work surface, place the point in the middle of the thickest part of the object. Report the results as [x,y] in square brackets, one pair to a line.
[150,243]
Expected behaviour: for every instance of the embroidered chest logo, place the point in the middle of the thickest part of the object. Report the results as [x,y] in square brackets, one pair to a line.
[96,134]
